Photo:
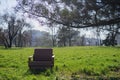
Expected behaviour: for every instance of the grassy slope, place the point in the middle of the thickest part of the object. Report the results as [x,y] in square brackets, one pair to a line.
[70,63]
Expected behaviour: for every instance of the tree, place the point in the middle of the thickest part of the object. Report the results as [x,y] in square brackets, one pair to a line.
[1,43]
[113,31]
[62,36]
[73,13]
[53,31]
[82,40]
[66,36]
[11,26]
[27,38]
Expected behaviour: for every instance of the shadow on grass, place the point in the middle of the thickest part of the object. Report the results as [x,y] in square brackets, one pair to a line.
[44,71]
[117,46]
[13,48]
[38,71]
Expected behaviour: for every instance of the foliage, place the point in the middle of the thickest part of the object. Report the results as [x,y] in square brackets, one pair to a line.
[73,13]
[113,33]
[71,63]
[66,36]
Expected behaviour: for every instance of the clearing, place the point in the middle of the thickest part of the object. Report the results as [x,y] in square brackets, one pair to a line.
[71,63]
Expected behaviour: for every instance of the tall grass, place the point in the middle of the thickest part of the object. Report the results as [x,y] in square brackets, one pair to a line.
[71,63]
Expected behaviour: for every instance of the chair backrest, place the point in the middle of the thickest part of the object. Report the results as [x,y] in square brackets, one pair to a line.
[42,55]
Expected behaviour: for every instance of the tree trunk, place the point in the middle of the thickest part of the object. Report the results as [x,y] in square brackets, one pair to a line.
[69,37]
[70,42]
[10,44]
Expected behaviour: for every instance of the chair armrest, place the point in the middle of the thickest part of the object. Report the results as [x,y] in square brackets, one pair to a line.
[30,58]
[53,56]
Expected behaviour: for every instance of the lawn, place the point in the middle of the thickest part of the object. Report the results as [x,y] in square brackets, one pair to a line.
[71,63]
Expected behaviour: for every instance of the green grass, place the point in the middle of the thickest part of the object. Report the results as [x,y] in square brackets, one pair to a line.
[71,63]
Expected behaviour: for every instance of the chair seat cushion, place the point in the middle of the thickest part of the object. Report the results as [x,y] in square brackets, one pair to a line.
[40,63]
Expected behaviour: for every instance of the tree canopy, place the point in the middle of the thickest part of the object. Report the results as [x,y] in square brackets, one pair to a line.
[73,13]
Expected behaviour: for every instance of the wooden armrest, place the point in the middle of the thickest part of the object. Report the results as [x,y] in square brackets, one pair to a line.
[30,58]
[53,56]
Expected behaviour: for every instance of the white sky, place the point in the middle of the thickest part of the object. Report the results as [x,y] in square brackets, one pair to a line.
[6,5]
[36,25]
